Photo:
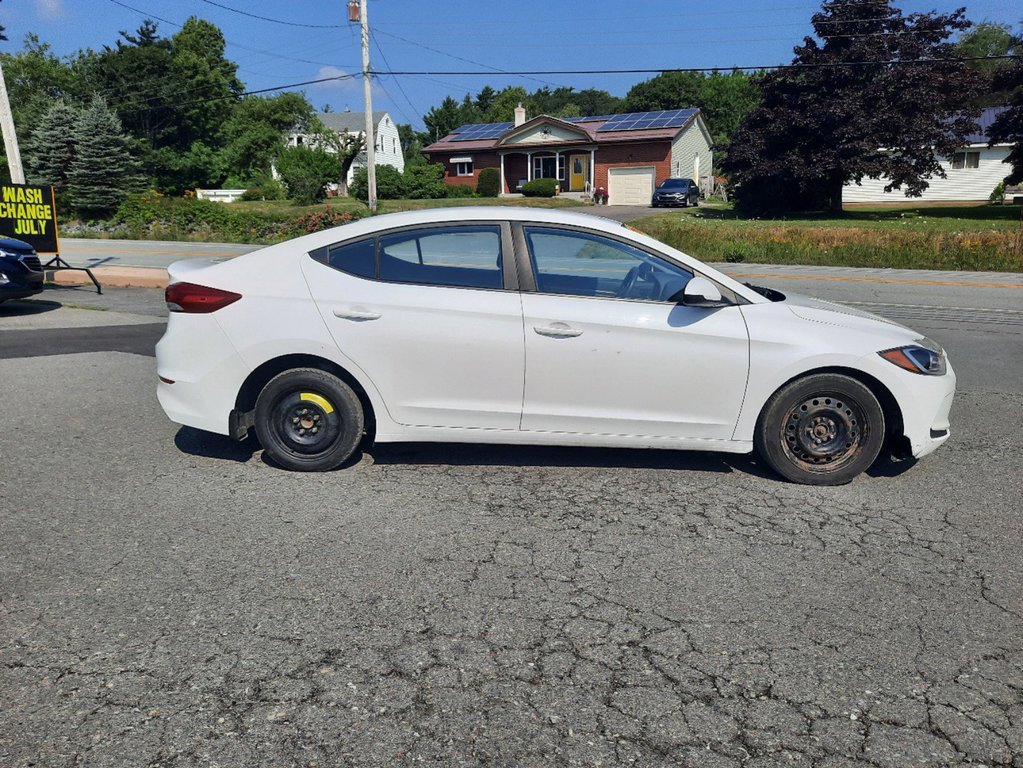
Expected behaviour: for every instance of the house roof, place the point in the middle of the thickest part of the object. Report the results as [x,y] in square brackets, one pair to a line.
[631,126]
[987,117]
[348,122]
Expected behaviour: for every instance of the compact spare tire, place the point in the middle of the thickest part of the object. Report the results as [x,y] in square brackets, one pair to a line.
[823,429]
[308,420]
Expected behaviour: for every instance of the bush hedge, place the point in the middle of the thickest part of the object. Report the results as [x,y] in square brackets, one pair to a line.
[489,182]
[540,188]
[153,216]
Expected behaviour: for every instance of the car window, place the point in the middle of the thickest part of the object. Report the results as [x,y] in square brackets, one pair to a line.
[355,258]
[460,256]
[582,264]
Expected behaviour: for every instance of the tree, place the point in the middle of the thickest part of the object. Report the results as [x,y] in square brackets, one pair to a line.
[103,172]
[306,172]
[988,39]
[854,106]
[35,80]
[254,133]
[51,151]
[724,98]
[1008,126]
[346,148]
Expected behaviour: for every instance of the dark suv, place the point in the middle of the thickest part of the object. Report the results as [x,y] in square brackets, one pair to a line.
[676,192]
[21,274]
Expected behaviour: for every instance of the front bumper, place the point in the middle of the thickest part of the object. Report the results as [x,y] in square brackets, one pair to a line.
[926,404]
[20,284]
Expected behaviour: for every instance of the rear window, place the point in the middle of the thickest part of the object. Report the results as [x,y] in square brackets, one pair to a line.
[354,258]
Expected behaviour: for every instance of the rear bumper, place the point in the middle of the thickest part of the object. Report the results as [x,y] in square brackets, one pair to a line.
[206,371]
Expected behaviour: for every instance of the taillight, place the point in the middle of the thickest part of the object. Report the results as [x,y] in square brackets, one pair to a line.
[197,299]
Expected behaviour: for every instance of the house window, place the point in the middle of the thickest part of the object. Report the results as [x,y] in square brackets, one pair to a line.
[298,141]
[463,168]
[961,160]
[549,168]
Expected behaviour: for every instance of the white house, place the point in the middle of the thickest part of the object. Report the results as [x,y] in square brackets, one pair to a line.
[388,145]
[971,173]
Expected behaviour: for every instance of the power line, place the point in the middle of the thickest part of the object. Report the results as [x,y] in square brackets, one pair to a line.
[459,58]
[397,82]
[745,68]
[272,20]
[256,92]
[147,14]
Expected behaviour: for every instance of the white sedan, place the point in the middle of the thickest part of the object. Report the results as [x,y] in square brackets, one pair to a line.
[535,327]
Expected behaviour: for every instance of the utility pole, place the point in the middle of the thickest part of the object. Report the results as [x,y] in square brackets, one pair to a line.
[371,142]
[10,137]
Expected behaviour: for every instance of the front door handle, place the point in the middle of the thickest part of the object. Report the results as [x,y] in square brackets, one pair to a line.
[356,314]
[557,331]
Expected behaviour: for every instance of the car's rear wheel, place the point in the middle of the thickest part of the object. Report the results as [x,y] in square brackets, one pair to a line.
[824,429]
[308,420]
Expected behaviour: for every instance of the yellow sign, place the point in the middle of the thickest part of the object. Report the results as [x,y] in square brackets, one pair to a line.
[28,213]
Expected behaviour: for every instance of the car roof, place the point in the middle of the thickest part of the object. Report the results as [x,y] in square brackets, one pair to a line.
[461,214]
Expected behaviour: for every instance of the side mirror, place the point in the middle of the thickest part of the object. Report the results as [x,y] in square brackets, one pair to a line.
[701,292]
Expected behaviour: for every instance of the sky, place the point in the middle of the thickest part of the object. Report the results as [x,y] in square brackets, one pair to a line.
[458,35]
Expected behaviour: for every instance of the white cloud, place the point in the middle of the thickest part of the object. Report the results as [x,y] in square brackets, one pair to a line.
[348,84]
[50,9]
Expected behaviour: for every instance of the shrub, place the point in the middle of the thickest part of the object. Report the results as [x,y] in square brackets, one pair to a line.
[390,184]
[306,172]
[317,221]
[540,188]
[459,190]
[425,181]
[489,182]
[997,194]
[265,189]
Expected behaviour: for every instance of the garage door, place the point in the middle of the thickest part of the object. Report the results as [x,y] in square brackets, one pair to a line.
[630,186]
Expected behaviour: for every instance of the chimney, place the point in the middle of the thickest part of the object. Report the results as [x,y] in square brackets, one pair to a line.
[520,115]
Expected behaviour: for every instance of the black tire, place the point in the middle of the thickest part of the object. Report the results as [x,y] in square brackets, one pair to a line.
[308,420]
[824,429]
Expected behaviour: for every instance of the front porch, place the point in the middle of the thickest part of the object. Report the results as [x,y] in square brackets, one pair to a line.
[572,167]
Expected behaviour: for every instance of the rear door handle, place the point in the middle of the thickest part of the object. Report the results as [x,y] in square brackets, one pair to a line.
[557,331]
[356,314]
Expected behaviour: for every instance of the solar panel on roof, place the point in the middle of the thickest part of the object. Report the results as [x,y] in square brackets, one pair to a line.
[480,131]
[638,121]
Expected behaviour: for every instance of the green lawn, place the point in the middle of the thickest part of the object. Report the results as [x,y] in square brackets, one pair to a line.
[981,238]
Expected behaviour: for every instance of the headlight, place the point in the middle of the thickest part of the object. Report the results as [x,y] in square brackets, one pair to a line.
[924,357]
[4,279]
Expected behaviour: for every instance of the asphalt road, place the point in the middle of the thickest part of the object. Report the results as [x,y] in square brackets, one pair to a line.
[167,598]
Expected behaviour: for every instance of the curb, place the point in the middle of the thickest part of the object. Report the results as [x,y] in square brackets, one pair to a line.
[111,277]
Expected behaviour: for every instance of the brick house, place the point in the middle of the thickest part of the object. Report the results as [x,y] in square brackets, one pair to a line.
[628,154]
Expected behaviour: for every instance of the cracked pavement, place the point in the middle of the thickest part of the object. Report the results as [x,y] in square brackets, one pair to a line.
[169,599]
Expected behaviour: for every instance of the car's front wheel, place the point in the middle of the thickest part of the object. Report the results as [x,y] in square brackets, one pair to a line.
[308,420]
[823,429]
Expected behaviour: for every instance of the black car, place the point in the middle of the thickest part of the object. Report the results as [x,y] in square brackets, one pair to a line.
[21,274]
[676,192]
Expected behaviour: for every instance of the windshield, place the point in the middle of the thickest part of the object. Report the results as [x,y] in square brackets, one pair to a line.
[674,184]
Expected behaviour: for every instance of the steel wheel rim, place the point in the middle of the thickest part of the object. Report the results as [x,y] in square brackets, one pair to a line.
[824,432]
[305,426]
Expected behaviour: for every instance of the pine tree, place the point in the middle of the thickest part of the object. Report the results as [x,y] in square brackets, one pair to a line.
[104,170]
[50,152]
